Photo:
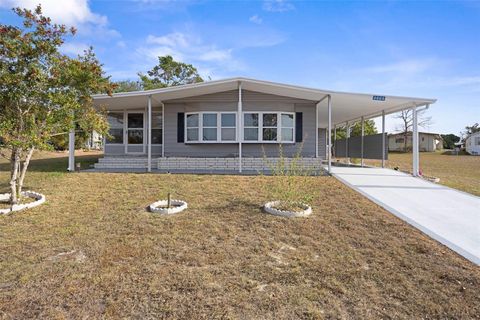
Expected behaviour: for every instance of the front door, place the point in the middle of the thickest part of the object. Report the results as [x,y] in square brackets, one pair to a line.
[135,133]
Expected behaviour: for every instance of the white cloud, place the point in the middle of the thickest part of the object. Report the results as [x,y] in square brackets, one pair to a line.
[216,55]
[277,5]
[410,66]
[121,44]
[187,47]
[256,19]
[69,12]
[175,39]
[73,13]
[73,48]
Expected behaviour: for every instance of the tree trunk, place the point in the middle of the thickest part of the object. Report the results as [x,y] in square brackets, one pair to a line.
[14,168]
[24,170]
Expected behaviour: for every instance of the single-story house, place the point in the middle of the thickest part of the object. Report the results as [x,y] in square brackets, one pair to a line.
[472,144]
[232,124]
[95,141]
[427,142]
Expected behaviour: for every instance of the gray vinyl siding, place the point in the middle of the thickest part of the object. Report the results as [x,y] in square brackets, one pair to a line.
[322,143]
[228,101]
[114,149]
[181,149]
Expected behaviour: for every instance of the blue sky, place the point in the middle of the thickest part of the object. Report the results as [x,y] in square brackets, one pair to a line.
[423,48]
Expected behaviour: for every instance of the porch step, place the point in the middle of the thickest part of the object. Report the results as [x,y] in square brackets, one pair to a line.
[121,163]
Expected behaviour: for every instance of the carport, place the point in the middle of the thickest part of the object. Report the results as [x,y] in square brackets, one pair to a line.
[343,109]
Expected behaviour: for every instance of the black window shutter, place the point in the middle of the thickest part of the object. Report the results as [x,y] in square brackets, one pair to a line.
[298,126]
[180,127]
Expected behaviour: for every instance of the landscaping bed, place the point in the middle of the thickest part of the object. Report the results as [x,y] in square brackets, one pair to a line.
[93,251]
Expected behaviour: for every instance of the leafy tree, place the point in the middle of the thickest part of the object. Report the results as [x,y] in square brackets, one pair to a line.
[43,93]
[472,129]
[169,73]
[406,117]
[127,86]
[449,140]
[356,130]
[60,142]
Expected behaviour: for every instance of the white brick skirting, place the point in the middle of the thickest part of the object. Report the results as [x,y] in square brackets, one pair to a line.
[204,164]
[231,164]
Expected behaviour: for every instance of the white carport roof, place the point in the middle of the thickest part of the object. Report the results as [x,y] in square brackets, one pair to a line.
[346,106]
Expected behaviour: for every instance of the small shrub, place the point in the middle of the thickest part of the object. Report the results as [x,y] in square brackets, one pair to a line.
[290,183]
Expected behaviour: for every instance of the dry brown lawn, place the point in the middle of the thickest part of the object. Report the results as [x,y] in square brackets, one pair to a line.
[459,172]
[93,252]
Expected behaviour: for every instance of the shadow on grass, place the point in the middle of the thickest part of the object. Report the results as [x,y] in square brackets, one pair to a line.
[56,164]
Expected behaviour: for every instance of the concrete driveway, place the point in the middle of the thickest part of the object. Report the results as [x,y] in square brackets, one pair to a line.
[449,216]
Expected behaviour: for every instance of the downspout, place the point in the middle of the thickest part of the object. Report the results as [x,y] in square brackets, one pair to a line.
[163,130]
[329,134]
[149,135]
[240,126]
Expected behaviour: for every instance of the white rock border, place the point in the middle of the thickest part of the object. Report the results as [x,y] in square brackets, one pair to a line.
[40,198]
[178,206]
[269,208]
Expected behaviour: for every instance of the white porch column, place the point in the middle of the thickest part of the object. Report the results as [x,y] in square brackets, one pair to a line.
[415,142]
[363,134]
[71,150]
[149,135]
[329,134]
[163,130]
[316,129]
[240,126]
[383,138]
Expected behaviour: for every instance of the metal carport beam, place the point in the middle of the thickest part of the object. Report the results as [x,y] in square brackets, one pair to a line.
[396,109]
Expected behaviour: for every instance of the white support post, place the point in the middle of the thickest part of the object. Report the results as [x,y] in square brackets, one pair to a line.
[362,143]
[316,129]
[383,139]
[329,134]
[239,127]
[163,130]
[149,135]
[415,142]
[347,142]
[71,150]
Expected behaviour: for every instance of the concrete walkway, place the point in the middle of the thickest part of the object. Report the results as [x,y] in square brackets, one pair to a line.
[447,215]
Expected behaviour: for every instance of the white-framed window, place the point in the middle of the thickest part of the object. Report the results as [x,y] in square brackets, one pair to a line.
[288,127]
[116,122]
[251,126]
[135,127]
[269,127]
[228,126]
[211,127]
[477,141]
[192,124]
[157,129]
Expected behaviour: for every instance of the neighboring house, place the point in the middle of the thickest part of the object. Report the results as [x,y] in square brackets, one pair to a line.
[231,125]
[427,142]
[95,141]
[472,144]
